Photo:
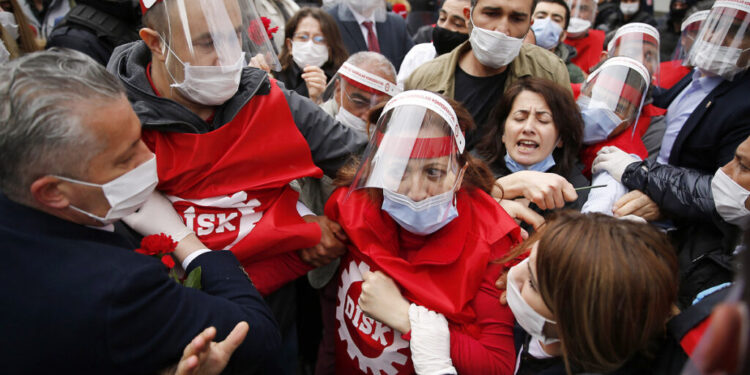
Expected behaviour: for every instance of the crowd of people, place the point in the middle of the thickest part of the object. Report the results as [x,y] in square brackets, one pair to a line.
[375,187]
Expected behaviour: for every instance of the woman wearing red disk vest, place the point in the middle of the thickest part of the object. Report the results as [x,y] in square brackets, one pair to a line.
[424,232]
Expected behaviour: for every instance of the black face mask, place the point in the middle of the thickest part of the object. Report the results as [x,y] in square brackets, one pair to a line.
[445,40]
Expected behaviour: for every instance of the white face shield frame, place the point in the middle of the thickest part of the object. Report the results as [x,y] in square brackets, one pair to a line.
[414,149]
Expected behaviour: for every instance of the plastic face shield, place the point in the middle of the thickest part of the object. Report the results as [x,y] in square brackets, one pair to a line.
[688,32]
[358,90]
[415,148]
[640,42]
[722,46]
[216,33]
[619,85]
[582,15]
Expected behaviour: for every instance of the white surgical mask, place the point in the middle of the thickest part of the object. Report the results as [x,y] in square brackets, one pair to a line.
[546,32]
[718,60]
[629,9]
[578,27]
[125,194]
[493,48]
[424,217]
[530,320]
[349,119]
[729,199]
[209,85]
[309,53]
[8,20]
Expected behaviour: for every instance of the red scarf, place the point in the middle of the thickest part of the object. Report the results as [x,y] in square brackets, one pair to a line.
[445,273]
[588,49]
[231,185]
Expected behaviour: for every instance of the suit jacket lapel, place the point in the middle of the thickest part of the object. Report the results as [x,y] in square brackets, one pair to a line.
[696,118]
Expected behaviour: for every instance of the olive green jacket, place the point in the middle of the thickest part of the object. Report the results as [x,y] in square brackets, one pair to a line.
[439,75]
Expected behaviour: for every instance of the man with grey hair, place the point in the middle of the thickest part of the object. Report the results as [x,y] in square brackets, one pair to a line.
[82,298]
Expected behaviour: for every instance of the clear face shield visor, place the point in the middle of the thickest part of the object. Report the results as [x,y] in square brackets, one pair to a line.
[582,16]
[357,90]
[414,149]
[612,97]
[640,42]
[225,33]
[722,46]
[688,32]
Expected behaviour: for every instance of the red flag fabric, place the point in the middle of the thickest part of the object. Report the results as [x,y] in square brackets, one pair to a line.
[671,72]
[443,275]
[231,185]
[589,49]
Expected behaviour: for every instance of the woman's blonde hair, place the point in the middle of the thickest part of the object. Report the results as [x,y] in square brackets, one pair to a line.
[611,285]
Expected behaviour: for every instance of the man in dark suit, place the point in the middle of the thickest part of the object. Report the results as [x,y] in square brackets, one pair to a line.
[366,26]
[78,299]
[708,116]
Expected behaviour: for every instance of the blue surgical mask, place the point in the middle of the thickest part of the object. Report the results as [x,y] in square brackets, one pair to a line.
[542,166]
[547,32]
[424,217]
[599,122]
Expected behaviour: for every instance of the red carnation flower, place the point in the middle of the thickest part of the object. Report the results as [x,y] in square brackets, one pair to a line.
[168,261]
[156,244]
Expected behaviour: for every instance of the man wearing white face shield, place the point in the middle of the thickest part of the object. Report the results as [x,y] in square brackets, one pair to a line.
[228,139]
[478,71]
[73,165]
[708,115]
[587,41]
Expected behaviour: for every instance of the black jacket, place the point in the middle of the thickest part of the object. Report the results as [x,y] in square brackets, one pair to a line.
[682,189]
[81,301]
[331,143]
[292,77]
[97,27]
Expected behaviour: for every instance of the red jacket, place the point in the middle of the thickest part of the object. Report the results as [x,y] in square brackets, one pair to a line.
[589,49]
[450,272]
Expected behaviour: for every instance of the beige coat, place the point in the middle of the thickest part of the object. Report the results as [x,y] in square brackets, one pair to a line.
[439,75]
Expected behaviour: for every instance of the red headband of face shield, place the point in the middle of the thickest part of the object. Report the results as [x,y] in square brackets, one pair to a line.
[425,148]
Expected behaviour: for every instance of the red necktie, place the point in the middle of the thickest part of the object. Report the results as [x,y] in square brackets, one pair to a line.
[372,39]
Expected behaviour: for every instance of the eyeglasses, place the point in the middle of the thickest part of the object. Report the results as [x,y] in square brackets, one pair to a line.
[317,39]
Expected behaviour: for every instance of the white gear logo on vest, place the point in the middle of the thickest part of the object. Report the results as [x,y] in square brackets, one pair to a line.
[348,308]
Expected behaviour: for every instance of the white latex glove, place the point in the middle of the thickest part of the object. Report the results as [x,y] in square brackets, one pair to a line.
[430,342]
[613,160]
[158,216]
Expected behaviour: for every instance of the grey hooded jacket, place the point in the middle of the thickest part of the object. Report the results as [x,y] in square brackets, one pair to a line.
[331,143]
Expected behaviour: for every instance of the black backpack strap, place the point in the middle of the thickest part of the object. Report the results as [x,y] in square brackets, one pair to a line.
[103,24]
[688,319]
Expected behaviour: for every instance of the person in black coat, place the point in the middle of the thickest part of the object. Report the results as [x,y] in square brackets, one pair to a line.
[312,53]
[392,38]
[83,301]
[96,27]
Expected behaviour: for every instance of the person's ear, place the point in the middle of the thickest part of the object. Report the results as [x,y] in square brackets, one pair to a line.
[603,56]
[563,35]
[288,43]
[154,43]
[559,143]
[49,192]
